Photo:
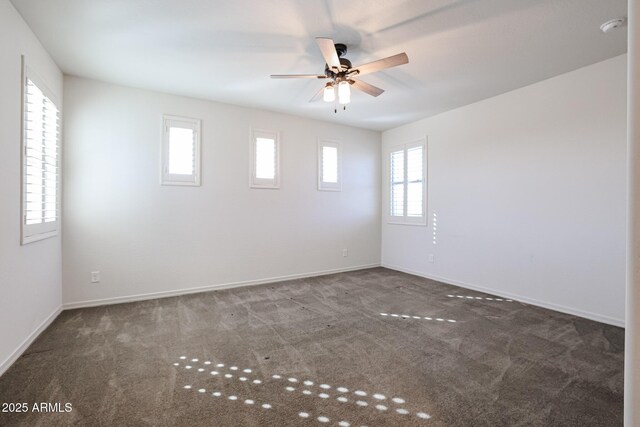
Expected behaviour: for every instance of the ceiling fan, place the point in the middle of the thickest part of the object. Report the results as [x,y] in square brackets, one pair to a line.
[341,74]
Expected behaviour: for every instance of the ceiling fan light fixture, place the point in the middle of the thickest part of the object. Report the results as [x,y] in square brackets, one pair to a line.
[340,73]
[329,94]
[344,92]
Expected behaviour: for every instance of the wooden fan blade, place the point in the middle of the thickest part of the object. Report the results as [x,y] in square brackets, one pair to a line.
[328,50]
[298,76]
[381,64]
[366,87]
[318,95]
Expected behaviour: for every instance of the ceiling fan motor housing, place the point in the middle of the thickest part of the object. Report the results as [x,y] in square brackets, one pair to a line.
[346,66]
[341,50]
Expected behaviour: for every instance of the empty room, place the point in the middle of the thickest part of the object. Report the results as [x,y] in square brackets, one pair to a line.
[320,212]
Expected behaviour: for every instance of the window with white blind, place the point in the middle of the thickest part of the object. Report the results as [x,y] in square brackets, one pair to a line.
[180,151]
[265,159]
[329,165]
[40,160]
[407,183]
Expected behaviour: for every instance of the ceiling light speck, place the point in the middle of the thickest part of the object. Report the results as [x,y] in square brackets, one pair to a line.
[613,24]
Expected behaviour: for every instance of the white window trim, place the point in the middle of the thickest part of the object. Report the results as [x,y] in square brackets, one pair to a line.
[35,232]
[174,179]
[329,186]
[406,220]
[255,182]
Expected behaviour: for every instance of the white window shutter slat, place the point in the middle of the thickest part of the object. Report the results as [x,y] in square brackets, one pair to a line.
[41,169]
[407,183]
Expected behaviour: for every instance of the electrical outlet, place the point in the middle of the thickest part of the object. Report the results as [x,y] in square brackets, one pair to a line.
[345,253]
[431,258]
[95,276]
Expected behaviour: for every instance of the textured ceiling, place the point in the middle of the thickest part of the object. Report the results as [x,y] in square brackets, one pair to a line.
[460,51]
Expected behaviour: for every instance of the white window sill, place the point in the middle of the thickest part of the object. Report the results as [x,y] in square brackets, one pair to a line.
[38,237]
[419,224]
[265,187]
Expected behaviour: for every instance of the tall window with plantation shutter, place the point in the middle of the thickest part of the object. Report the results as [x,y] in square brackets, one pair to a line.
[329,166]
[40,160]
[180,151]
[407,183]
[265,159]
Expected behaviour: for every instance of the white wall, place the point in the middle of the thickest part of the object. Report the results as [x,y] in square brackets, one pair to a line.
[145,238]
[30,275]
[529,191]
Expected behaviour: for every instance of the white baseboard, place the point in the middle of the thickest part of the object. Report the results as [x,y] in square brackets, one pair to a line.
[185,291]
[6,364]
[544,304]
